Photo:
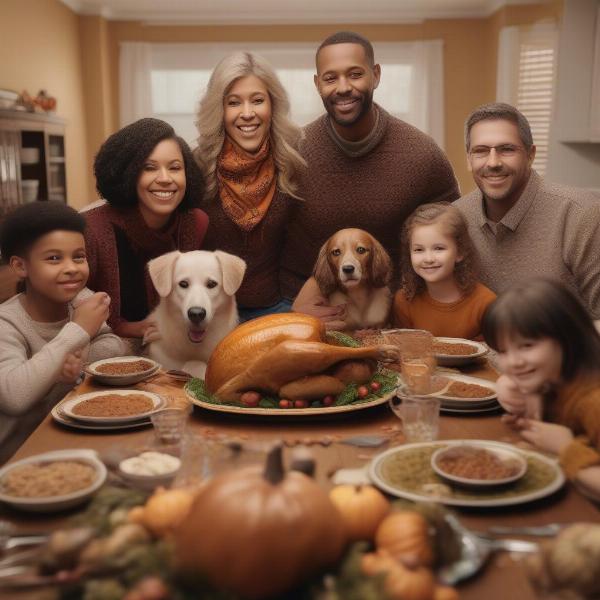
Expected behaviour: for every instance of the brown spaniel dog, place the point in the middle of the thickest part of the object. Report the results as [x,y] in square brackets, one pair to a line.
[354,269]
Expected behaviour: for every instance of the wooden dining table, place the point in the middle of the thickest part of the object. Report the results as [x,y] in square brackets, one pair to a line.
[503,577]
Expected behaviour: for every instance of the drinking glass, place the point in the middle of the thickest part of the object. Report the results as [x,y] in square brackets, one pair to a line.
[169,424]
[417,361]
[420,417]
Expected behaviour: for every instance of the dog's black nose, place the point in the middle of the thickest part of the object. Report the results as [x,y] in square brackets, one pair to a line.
[196,315]
[348,269]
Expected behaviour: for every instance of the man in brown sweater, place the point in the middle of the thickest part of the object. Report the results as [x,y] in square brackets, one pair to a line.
[366,168]
[522,225]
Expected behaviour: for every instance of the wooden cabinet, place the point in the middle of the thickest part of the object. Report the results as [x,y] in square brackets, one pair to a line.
[44,162]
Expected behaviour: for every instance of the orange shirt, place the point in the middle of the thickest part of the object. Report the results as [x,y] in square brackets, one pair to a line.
[460,319]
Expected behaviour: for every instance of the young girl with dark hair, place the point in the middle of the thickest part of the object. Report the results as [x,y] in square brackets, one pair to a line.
[549,355]
[440,291]
[153,187]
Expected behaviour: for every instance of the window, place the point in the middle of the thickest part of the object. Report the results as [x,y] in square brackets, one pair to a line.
[526,79]
[411,87]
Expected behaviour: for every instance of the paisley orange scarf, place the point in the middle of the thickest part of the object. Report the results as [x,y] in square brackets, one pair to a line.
[246,183]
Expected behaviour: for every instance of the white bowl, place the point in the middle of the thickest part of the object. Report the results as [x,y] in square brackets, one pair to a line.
[126,379]
[148,482]
[69,405]
[56,503]
[456,360]
[29,189]
[504,454]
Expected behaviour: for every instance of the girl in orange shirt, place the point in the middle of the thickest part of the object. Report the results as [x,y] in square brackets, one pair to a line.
[440,291]
[549,355]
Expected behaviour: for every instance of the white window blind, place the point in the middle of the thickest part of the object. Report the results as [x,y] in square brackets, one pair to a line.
[526,79]
[411,85]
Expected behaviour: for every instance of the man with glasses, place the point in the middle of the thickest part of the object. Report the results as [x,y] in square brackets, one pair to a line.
[522,225]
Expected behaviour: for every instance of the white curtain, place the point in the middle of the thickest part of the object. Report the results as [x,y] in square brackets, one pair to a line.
[411,87]
[135,90]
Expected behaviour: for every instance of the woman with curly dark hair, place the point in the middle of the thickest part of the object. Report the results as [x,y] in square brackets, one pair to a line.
[247,150]
[440,291]
[153,187]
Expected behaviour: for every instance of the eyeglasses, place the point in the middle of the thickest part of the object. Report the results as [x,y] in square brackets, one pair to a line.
[503,150]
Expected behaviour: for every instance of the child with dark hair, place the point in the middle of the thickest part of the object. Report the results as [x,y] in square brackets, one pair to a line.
[153,187]
[549,355]
[440,291]
[54,325]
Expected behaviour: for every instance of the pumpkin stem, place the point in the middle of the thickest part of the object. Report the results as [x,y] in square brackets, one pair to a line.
[274,472]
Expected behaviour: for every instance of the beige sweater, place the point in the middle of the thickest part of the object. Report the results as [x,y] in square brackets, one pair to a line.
[31,359]
[552,231]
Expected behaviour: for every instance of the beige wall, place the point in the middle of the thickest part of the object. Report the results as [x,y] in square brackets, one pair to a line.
[77,60]
[470,55]
[41,50]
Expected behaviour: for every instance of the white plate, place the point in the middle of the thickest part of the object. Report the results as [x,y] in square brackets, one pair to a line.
[127,379]
[376,475]
[456,360]
[503,454]
[68,406]
[289,412]
[55,503]
[60,417]
[453,401]
[494,407]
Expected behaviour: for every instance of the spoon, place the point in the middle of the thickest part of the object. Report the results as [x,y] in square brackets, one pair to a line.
[476,549]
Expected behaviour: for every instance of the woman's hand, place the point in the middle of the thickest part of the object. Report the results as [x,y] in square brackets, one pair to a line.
[548,437]
[72,368]
[310,301]
[135,329]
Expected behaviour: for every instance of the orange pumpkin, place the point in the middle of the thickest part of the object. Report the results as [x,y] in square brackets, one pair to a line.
[362,507]
[401,582]
[405,535]
[258,532]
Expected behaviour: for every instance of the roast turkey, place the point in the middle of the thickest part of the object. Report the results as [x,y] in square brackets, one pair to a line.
[274,351]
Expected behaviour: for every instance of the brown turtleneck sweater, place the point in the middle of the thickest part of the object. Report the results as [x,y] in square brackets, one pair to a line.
[376,190]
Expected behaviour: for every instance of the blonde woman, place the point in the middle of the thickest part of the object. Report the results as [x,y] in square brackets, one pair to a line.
[247,150]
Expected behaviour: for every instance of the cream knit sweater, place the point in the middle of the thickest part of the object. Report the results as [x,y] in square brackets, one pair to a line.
[31,359]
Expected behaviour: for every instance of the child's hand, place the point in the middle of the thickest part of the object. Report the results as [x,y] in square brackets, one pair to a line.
[72,367]
[548,437]
[90,313]
[516,402]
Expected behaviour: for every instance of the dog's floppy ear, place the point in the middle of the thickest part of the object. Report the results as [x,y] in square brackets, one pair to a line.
[322,272]
[233,269]
[161,272]
[381,265]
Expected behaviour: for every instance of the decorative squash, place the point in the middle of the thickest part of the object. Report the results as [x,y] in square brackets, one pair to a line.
[401,582]
[163,511]
[271,351]
[362,507]
[405,534]
[258,532]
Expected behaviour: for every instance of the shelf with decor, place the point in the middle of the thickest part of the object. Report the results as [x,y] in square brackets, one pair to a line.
[32,158]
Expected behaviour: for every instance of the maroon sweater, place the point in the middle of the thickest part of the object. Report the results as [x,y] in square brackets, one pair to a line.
[260,248]
[376,192]
[118,247]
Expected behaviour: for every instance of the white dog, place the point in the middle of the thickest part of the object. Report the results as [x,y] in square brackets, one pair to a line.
[197,307]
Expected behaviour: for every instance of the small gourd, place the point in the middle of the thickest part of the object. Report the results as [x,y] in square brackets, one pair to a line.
[362,507]
[401,582]
[405,535]
[258,532]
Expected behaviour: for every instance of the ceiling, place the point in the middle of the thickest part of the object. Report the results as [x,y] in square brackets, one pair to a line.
[197,12]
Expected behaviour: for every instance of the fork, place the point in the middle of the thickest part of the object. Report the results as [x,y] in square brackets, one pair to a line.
[549,530]
[476,549]
[10,540]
